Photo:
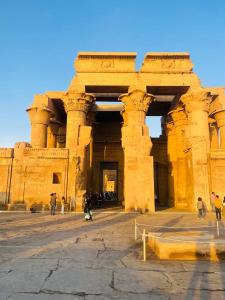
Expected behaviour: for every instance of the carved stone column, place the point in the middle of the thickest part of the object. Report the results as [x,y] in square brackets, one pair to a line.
[138,164]
[178,156]
[213,134]
[172,157]
[39,118]
[197,106]
[78,137]
[53,128]
[61,137]
[220,119]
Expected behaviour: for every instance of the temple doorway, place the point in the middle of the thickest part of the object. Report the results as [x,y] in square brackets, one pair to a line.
[107,169]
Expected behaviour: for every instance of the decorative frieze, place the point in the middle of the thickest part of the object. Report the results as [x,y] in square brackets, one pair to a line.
[45,153]
[167,62]
[105,62]
[6,152]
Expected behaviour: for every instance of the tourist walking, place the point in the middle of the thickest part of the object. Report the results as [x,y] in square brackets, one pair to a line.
[87,207]
[218,207]
[63,202]
[212,201]
[200,207]
[53,203]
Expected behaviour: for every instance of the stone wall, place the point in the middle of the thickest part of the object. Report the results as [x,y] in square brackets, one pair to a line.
[28,176]
[6,157]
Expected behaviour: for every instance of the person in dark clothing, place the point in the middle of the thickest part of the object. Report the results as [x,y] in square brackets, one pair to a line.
[200,207]
[87,207]
[53,203]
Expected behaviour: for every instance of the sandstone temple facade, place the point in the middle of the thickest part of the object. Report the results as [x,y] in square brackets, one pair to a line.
[78,144]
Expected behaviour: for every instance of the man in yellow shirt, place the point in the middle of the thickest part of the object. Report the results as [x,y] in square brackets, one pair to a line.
[218,207]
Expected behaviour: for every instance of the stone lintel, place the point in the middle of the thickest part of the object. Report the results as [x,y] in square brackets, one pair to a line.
[105,62]
[108,107]
[55,94]
[167,62]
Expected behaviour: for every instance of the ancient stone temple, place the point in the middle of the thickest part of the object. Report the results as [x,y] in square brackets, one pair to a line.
[93,137]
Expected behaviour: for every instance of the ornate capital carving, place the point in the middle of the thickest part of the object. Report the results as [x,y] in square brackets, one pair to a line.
[178,116]
[136,100]
[78,101]
[196,100]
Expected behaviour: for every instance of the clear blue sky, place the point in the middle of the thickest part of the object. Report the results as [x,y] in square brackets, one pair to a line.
[39,40]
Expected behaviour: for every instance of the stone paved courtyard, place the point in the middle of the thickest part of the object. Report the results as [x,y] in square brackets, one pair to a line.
[63,257]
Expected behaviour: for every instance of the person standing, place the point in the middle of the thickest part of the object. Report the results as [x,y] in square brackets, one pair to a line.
[53,203]
[200,207]
[63,202]
[87,207]
[212,201]
[218,207]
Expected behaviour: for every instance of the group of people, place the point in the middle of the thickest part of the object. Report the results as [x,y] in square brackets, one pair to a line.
[217,206]
[53,203]
[97,199]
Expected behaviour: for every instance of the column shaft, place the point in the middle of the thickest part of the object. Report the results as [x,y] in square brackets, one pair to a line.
[74,120]
[38,135]
[222,137]
[136,142]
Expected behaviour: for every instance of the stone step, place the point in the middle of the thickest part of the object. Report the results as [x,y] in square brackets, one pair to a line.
[17,206]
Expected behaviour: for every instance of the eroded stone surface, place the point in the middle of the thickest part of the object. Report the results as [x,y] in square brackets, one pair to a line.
[44,257]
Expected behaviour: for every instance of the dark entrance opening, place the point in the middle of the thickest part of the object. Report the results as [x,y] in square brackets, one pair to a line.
[108,185]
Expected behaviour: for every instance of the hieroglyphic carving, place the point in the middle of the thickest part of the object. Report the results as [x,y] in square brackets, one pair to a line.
[45,153]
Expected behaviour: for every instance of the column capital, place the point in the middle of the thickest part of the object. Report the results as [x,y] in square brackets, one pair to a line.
[219,116]
[54,125]
[178,116]
[198,99]
[40,115]
[78,101]
[136,100]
